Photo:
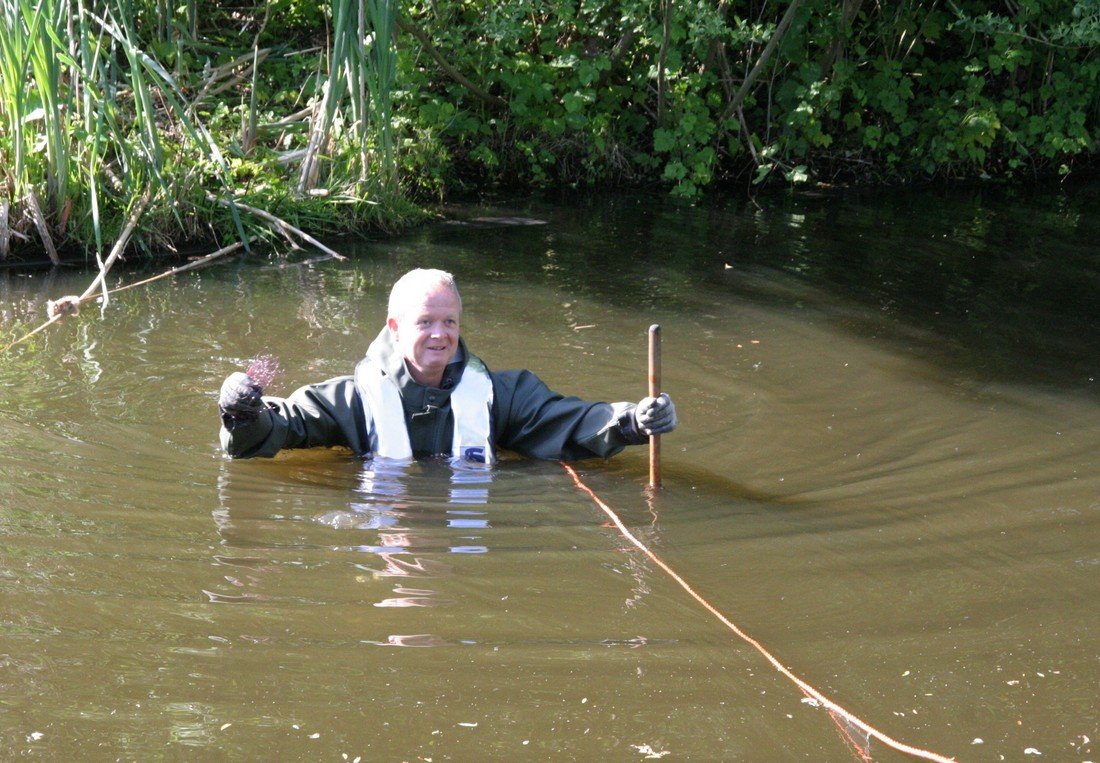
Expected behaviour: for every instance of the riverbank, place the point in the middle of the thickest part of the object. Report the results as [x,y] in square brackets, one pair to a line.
[244,124]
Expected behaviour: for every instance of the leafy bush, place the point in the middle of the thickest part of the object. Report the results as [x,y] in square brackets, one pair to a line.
[850,91]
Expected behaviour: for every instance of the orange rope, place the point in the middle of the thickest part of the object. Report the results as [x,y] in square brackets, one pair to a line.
[808,690]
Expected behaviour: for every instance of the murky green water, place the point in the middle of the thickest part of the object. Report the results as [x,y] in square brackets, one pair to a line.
[886,472]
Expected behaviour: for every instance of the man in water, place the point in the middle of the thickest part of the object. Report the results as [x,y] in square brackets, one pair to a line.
[419,392]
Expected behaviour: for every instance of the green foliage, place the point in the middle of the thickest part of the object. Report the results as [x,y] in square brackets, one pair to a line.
[853,91]
[952,94]
[348,108]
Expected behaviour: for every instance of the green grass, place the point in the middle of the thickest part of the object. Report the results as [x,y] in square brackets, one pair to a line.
[91,119]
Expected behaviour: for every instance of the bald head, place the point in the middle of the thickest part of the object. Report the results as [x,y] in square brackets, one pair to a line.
[409,290]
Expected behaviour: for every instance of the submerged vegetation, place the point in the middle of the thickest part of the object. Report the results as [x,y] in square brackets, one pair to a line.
[150,124]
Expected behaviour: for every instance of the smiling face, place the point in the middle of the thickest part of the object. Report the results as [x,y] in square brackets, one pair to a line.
[425,332]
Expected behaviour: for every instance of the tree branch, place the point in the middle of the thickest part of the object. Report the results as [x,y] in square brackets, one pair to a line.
[617,52]
[450,71]
[848,12]
[754,74]
[666,12]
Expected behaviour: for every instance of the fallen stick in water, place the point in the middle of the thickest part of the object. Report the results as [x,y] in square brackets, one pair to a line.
[279,223]
[198,263]
[117,249]
[70,305]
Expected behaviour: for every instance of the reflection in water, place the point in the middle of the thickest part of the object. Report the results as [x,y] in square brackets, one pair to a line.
[413,597]
[398,496]
[411,510]
[192,723]
[400,567]
[400,500]
[413,640]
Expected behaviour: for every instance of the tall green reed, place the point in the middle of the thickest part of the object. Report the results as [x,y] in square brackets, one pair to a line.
[14,98]
[356,96]
[383,75]
[90,121]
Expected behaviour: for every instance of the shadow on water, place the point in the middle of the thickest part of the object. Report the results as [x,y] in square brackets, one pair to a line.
[1006,280]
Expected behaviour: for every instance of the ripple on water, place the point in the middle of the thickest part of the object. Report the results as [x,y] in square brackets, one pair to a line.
[849,490]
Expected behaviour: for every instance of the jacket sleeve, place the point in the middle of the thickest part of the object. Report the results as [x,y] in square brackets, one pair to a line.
[534,421]
[325,414]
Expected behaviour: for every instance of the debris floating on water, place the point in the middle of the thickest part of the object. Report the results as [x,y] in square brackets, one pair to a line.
[649,752]
[503,221]
[59,308]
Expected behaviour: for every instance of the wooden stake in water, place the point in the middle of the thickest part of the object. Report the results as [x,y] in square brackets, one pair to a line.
[654,391]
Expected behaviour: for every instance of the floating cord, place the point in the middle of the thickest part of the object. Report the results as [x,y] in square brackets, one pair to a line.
[806,689]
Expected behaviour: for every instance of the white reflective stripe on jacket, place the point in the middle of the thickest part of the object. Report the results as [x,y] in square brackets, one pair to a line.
[471,404]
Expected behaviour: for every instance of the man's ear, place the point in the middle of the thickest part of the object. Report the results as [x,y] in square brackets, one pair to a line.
[392,323]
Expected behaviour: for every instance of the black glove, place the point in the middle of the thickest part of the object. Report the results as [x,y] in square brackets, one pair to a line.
[655,415]
[239,400]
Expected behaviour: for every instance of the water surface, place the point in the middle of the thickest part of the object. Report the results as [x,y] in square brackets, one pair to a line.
[886,472]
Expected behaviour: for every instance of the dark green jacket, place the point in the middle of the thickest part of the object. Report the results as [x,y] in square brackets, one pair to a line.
[527,417]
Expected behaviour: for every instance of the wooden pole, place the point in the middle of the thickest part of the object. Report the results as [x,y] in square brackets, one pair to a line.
[654,391]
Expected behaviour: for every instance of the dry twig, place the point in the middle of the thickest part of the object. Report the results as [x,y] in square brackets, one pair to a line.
[43,229]
[119,247]
[70,305]
[281,225]
[5,231]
